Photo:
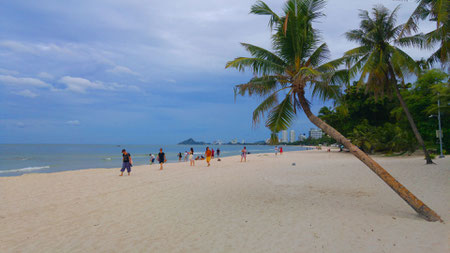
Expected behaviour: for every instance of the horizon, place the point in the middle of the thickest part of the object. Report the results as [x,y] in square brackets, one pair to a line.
[108,72]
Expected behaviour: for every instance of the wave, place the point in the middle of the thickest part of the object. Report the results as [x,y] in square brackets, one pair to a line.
[27,169]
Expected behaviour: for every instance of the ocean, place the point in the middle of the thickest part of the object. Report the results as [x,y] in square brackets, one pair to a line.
[18,159]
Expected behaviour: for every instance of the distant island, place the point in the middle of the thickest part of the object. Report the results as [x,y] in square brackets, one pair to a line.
[191,141]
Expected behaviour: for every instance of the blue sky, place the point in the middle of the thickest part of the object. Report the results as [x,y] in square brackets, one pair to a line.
[141,71]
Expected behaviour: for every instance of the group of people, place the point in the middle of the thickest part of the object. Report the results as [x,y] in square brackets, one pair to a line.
[190,155]
[127,162]
[278,150]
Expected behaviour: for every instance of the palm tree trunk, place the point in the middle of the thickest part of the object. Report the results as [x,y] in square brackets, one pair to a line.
[413,125]
[404,193]
[408,115]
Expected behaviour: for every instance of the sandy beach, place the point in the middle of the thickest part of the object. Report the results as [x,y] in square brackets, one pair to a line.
[326,202]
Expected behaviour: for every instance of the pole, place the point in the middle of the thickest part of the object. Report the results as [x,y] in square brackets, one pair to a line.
[440,129]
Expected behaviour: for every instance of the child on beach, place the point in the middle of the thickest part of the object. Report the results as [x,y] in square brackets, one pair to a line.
[186,155]
[152,159]
[281,150]
[208,154]
[244,154]
[191,158]
[127,162]
[179,157]
[212,151]
[161,158]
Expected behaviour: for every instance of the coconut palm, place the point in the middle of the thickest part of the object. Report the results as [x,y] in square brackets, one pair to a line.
[380,62]
[436,11]
[295,65]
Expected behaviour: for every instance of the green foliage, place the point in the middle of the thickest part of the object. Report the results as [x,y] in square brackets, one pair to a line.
[377,60]
[380,125]
[435,11]
[325,140]
[422,102]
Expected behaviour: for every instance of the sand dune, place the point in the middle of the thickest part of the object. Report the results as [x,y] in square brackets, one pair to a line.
[327,202]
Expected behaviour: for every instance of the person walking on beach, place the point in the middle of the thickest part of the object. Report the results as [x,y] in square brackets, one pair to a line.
[218,153]
[191,158]
[244,154]
[281,150]
[208,154]
[212,151]
[161,158]
[152,159]
[127,162]
[276,150]
[186,154]
[179,156]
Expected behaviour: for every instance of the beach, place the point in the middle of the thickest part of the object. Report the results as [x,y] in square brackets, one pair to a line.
[301,201]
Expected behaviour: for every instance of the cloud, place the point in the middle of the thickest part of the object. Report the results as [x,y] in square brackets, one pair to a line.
[81,85]
[45,75]
[133,88]
[8,72]
[17,46]
[23,81]
[122,70]
[78,84]
[26,93]
[73,122]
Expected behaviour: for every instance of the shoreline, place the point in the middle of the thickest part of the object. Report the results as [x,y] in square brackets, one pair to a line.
[109,168]
[156,164]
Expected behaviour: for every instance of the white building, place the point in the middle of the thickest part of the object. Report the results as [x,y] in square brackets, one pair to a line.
[315,133]
[292,135]
[284,136]
[301,137]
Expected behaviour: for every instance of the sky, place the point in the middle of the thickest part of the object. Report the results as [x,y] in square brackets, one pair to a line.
[143,71]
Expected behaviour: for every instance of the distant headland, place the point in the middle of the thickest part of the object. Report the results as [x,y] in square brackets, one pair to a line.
[191,141]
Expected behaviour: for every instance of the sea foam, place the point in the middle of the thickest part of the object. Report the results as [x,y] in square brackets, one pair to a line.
[27,169]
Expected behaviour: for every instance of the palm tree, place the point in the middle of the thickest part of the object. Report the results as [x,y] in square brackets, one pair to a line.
[379,62]
[437,11]
[296,64]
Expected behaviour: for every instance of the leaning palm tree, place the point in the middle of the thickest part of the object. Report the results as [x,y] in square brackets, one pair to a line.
[379,62]
[436,11]
[295,65]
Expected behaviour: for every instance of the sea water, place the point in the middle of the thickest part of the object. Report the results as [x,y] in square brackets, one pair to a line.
[17,159]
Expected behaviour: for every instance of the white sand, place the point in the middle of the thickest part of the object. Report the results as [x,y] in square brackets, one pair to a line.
[328,202]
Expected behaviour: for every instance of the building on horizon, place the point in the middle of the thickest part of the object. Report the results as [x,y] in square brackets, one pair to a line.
[284,136]
[234,141]
[315,133]
[218,142]
[292,136]
[302,137]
